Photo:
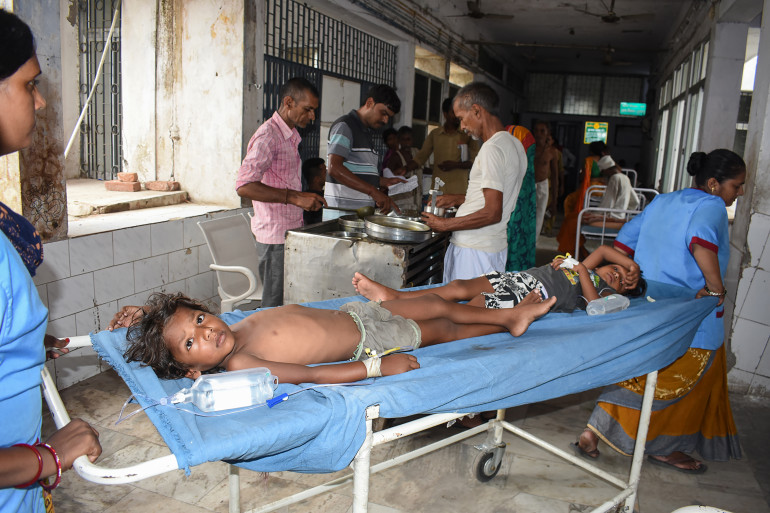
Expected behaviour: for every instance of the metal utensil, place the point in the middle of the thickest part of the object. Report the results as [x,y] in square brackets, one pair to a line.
[352,223]
[360,212]
[396,229]
[347,235]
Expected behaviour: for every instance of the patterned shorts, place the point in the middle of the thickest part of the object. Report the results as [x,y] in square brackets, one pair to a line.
[510,289]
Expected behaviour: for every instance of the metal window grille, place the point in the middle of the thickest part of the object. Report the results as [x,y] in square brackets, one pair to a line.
[620,89]
[296,33]
[100,147]
[302,42]
[545,92]
[582,94]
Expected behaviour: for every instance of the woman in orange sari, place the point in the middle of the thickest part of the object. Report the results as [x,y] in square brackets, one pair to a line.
[573,203]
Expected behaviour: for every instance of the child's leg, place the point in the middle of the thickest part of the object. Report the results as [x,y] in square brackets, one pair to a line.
[457,290]
[444,321]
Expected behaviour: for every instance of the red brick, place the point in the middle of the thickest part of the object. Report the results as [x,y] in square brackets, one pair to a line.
[128,177]
[118,186]
[161,186]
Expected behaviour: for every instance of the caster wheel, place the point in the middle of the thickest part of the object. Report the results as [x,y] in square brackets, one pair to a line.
[485,467]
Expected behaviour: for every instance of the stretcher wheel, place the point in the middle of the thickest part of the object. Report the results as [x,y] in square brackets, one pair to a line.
[485,466]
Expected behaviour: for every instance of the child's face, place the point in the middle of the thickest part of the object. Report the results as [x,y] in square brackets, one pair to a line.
[320,179]
[405,140]
[197,339]
[614,275]
[392,141]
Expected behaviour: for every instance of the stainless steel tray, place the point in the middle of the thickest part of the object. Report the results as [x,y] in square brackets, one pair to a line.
[352,223]
[396,229]
[347,235]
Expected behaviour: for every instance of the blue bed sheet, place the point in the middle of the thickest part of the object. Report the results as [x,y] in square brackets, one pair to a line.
[320,430]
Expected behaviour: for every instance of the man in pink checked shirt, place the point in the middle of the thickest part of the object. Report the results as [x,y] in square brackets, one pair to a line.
[270,176]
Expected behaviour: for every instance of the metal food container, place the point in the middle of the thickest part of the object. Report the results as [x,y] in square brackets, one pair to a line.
[396,229]
[352,223]
[320,265]
[348,235]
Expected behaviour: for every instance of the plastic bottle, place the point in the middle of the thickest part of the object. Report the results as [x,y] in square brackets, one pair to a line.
[228,390]
[607,304]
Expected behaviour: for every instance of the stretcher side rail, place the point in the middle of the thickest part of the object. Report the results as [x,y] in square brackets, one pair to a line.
[82,465]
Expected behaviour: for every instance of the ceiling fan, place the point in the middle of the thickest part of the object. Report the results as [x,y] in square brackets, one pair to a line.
[611,16]
[475,12]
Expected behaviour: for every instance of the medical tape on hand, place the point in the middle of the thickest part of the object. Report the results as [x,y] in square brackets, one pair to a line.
[372,367]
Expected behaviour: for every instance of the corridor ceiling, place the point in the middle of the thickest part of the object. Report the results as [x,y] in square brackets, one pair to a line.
[594,36]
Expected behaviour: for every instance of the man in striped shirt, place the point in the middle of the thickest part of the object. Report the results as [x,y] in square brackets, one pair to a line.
[270,177]
[353,178]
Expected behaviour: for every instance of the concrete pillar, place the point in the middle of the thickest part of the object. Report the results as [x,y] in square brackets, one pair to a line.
[727,47]
[41,166]
[405,81]
[748,274]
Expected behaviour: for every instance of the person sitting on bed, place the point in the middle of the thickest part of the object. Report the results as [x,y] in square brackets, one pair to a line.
[574,287]
[178,337]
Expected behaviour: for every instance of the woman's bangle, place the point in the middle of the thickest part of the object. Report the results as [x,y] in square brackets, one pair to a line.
[712,293]
[286,199]
[43,482]
[39,465]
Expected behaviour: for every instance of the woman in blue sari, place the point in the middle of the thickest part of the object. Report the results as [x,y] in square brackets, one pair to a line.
[681,238]
[24,460]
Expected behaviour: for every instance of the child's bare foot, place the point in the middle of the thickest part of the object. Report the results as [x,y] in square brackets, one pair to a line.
[372,290]
[524,314]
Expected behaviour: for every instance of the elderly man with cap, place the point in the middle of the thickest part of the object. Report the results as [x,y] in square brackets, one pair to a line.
[618,195]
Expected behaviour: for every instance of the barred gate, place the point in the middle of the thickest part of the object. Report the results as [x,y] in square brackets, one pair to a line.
[300,41]
[100,147]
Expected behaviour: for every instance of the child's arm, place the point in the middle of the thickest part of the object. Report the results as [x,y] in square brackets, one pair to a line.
[586,285]
[613,256]
[333,373]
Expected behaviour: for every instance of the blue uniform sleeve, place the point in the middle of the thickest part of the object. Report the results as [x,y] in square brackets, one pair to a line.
[629,234]
[340,140]
[707,224]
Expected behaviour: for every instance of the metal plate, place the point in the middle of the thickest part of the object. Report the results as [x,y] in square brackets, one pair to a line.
[347,235]
[352,223]
[396,229]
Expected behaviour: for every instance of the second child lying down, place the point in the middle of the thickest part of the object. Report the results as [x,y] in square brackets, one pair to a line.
[179,337]
[574,287]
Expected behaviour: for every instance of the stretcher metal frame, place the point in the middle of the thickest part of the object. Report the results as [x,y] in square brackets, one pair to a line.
[487,463]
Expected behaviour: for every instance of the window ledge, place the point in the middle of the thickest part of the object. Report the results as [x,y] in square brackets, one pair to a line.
[104,211]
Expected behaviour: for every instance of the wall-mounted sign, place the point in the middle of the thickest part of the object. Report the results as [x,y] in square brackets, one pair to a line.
[633,109]
[595,131]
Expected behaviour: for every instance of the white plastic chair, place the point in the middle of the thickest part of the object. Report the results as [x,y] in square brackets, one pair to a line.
[234,251]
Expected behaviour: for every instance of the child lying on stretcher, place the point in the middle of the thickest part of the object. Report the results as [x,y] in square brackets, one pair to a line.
[574,287]
[178,336]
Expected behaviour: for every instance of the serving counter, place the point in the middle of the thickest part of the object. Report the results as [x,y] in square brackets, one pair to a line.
[319,262]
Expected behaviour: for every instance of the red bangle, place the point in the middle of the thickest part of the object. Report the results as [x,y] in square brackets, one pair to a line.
[39,465]
[43,482]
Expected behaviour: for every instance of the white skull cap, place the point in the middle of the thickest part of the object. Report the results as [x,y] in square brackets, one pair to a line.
[606,162]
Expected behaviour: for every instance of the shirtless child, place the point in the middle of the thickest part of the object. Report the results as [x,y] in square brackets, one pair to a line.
[179,337]
[546,170]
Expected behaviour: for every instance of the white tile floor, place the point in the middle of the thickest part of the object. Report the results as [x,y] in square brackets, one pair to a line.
[530,480]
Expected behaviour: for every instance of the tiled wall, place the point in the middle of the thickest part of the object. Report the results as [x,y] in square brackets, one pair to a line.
[751,318]
[85,280]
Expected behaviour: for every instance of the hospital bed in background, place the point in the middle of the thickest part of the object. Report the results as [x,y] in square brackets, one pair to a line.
[591,201]
[329,428]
